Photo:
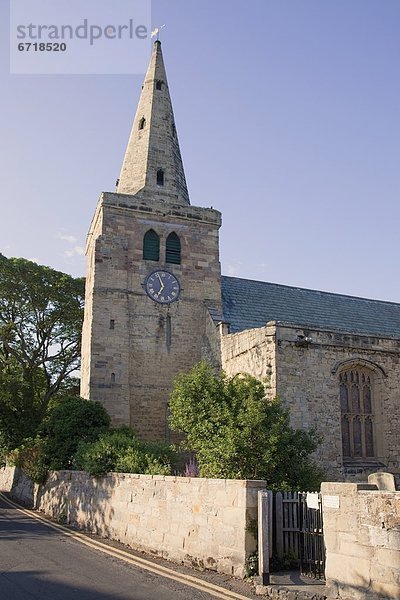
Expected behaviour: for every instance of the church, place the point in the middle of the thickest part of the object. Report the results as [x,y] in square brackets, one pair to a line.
[156,304]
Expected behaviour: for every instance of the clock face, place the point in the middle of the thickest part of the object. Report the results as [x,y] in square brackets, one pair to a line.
[162,286]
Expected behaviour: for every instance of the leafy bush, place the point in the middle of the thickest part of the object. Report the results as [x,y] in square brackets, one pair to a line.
[68,423]
[4,450]
[236,433]
[119,450]
[30,457]
[251,566]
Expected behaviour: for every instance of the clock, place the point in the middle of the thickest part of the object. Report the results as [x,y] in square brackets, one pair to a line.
[162,286]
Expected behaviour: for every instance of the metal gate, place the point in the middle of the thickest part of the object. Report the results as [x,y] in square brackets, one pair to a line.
[311,537]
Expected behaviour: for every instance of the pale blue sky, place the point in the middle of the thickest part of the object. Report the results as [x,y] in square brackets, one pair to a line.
[288,119]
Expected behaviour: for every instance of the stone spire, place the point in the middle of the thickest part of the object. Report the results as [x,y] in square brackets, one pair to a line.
[153,162]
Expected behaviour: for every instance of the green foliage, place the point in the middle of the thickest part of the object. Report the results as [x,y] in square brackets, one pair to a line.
[70,422]
[41,312]
[30,456]
[251,567]
[4,450]
[119,450]
[237,433]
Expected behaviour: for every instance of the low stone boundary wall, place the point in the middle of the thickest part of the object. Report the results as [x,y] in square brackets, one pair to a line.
[201,522]
[362,538]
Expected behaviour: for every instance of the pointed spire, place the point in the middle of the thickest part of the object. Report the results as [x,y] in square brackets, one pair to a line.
[153,162]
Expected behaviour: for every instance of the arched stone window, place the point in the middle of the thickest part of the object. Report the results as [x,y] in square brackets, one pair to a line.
[142,123]
[357,412]
[173,249]
[151,246]
[159,84]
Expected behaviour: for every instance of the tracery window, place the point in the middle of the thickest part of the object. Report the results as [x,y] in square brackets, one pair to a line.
[357,415]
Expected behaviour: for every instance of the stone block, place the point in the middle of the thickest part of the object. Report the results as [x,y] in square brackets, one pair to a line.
[394,539]
[360,551]
[383,481]
[331,540]
[354,572]
[386,590]
[386,572]
[378,536]
[232,517]
[228,496]
[387,557]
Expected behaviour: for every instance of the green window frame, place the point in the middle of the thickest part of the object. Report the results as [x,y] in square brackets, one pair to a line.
[151,246]
[173,249]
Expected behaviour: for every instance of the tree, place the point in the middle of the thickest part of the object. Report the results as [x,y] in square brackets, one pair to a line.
[72,421]
[68,424]
[41,313]
[236,433]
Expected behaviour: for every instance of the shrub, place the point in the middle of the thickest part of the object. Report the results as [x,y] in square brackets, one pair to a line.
[237,433]
[30,457]
[121,451]
[68,423]
[4,450]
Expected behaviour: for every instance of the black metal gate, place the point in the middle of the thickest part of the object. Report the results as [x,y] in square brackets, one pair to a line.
[311,537]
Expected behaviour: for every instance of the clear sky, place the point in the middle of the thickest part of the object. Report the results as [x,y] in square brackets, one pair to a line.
[288,119]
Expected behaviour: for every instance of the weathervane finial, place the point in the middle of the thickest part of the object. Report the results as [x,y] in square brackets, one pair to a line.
[156,32]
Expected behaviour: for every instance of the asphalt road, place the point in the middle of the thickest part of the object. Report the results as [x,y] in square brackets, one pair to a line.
[39,562]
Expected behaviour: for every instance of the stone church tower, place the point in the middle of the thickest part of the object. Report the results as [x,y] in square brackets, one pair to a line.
[155,295]
[153,287]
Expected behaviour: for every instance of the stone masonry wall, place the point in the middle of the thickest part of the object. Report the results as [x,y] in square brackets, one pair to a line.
[362,538]
[251,351]
[200,522]
[211,346]
[132,346]
[307,377]
[302,366]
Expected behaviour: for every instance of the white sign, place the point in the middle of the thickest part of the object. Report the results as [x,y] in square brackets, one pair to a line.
[312,500]
[331,501]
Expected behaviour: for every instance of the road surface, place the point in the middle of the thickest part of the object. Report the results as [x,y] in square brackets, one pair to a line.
[41,561]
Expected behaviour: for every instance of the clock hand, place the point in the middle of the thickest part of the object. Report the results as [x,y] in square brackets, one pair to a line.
[162,286]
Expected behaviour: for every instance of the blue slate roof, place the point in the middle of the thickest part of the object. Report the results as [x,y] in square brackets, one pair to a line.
[249,304]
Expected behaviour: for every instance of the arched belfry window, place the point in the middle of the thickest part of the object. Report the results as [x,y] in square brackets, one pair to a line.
[142,123]
[151,246]
[160,177]
[173,249]
[357,413]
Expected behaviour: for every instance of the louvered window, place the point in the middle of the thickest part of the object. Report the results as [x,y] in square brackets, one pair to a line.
[356,406]
[151,246]
[173,249]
